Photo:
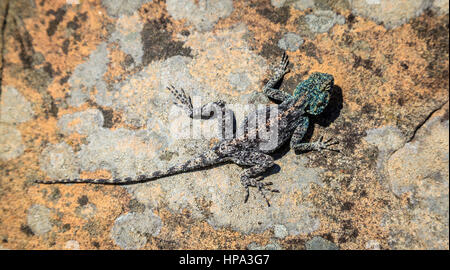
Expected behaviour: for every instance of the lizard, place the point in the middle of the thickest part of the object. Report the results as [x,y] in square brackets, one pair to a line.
[290,123]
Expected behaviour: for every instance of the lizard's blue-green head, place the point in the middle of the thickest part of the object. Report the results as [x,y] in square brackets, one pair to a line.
[317,87]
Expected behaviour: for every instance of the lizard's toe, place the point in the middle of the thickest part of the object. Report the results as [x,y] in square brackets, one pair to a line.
[325,145]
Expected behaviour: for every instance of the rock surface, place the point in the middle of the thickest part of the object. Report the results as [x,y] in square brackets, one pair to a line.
[83,94]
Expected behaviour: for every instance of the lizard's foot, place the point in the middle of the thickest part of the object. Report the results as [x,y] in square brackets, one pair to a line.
[181,99]
[282,69]
[261,186]
[320,145]
[184,101]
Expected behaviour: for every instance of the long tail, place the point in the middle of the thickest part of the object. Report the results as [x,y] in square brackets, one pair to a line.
[204,160]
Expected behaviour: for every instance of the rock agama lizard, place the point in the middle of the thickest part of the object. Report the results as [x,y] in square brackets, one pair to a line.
[290,122]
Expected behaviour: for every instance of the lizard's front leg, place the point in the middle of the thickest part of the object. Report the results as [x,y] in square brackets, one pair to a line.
[279,72]
[216,108]
[259,163]
[184,101]
[299,133]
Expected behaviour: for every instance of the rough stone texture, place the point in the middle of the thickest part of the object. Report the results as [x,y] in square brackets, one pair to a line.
[280,231]
[84,95]
[323,20]
[203,14]
[372,245]
[277,3]
[318,243]
[270,246]
[131,230]
[38,219]
[440,6]
[290,42]
[88,76]
[128,35]
[11,145]
[391,13]
[298,4]
[81,122]
[387,139]
[14,108]
[117,8]
[418,172]
[303,4]
[72,245]
[58,161]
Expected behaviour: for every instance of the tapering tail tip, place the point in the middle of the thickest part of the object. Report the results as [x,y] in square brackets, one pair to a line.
[37,181]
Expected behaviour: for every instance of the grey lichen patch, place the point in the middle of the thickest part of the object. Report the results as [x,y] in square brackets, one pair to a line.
[72,245]
[272,245]
[77,97]
[387,139]
[58,161]
[86,211]
[128,34]
[391,13]
[440,6]
[303,4]
[318,243]
[115,8]
[225,53]
[38,219]
[280,231]
[202,14]
[239,81]
[142,97]
[14,107]
[11,145]
[321,21]
[88,75]
[298,4]
[124,153]
[290,42]
[372,245]
[132,230]
[278,3]
[85,122]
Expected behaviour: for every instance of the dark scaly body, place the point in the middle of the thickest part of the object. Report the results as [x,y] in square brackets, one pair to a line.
[290,123]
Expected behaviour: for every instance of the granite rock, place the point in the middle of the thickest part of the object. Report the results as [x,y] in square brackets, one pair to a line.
[84,95]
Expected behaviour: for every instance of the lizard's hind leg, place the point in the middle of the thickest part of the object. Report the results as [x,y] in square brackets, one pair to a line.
[259,163]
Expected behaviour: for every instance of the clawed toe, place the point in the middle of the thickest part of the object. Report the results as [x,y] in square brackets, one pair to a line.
[325,145]
[331,141]
[282,67]
[284,62]
[261,186]
[181,99]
